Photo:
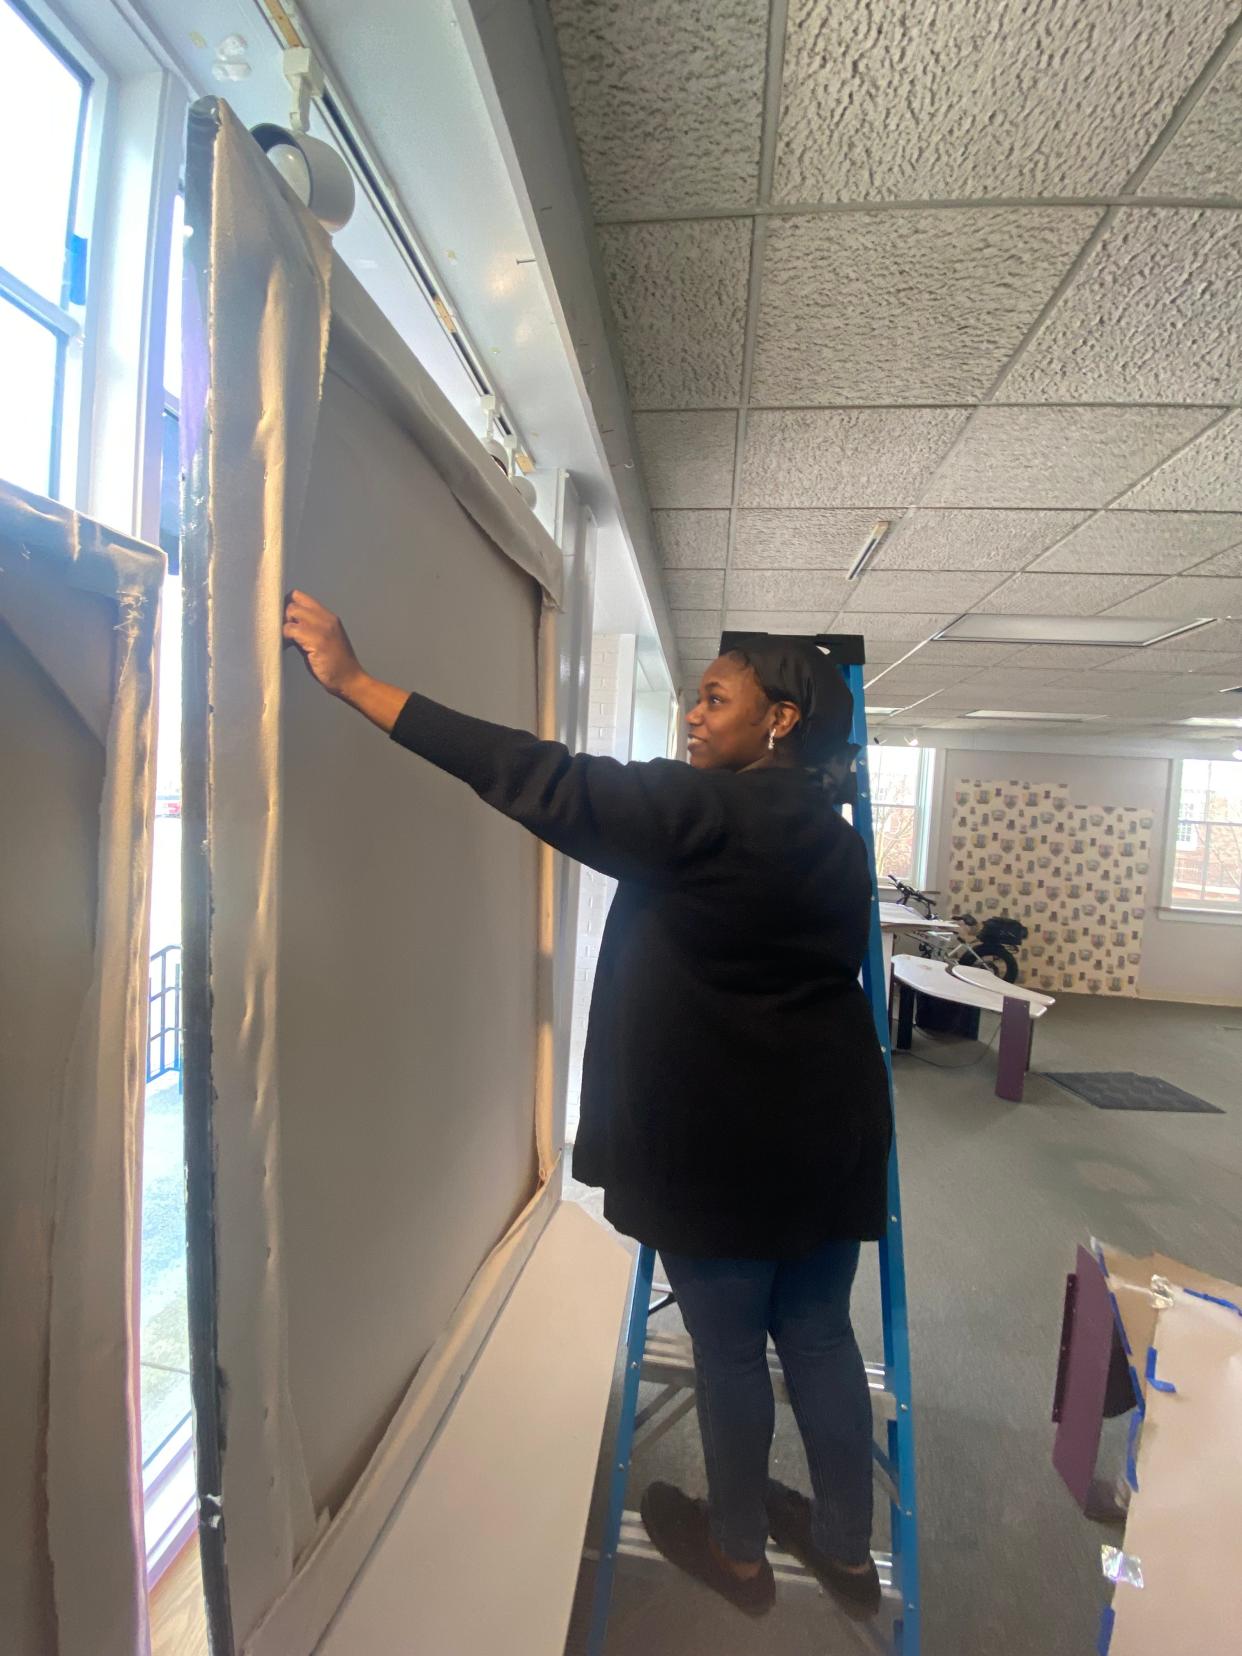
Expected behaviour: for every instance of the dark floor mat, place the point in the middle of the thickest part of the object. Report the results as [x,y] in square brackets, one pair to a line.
[1123,1090]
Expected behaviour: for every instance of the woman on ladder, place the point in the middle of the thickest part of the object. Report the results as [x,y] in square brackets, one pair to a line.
[734,1098]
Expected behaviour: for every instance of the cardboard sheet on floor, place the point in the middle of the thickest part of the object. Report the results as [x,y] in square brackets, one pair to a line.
[78,622]
[368,949]
[1178,1585]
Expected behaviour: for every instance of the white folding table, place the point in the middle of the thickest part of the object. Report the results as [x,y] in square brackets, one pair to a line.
[976,987]
[896,918]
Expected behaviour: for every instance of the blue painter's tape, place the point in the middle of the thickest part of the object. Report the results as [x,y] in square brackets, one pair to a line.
[1215,1299]
[1160,1385]
[1138,1390]
[1136,1420]
[1107,1617]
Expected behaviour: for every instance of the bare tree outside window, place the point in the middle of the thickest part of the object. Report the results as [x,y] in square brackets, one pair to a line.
[1207,858]
[895,777]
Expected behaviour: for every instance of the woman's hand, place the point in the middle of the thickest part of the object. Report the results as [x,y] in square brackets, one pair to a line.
[330,657]
[324,644]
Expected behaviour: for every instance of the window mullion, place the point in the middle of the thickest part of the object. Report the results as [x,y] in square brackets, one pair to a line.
[43,310]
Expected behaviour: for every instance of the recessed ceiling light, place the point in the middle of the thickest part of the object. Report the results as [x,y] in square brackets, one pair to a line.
[1039,718]
[1128,632]
[871,546]
[872,709]
[1221,724]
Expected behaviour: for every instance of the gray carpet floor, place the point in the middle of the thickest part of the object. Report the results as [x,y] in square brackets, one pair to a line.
[995,1198]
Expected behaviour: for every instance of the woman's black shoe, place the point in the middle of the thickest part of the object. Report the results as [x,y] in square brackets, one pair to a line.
[789,1517]
[679,1528]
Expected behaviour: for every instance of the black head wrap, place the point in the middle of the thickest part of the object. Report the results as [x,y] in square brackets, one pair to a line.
[793,670]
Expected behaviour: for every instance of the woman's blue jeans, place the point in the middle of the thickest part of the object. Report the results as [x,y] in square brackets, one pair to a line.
[730,1306]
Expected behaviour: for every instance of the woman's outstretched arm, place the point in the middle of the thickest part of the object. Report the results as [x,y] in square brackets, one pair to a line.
[631,821]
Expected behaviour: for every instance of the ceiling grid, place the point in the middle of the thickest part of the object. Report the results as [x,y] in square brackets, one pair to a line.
[990,297]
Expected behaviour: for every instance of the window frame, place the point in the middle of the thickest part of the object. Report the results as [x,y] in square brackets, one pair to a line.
[1204,909]
[921,807]
[67,319]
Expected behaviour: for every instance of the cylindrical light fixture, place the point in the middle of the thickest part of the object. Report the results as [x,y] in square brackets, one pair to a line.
[312,170]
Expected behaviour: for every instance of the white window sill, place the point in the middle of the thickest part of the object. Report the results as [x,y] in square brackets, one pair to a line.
[1202,916]
[170,1500]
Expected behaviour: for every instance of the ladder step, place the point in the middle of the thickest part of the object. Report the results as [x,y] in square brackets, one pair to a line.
[668,1360]
[635,1543]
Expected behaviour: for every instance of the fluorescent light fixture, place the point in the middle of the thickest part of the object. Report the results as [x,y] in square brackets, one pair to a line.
[880,710]
[1125,632]
[879,529]
[1220,724]
[1038,718]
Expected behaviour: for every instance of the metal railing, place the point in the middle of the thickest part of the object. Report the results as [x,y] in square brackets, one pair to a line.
[164,1014]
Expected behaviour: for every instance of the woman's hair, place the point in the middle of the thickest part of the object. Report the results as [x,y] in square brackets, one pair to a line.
[792,670]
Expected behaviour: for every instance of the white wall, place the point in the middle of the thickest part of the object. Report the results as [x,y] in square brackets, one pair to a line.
[652,714]
[1183,959]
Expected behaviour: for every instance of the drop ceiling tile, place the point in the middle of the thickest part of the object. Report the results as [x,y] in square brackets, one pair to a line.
[844,456]
[926,307]
[1186,595]
[805,539]
[687,459]
[795,622]
[1027,678]
[1224,563]
[1065,657]
[695,623]
[1202,157]
[1144,543]
[692,540]
[790,589]
[701,649]
[1219,636]
[888,626]
[678,292]
[1188,663]
[966,100]
[1064,594]
[694,588]
[1068,457]
[1152,316]
[967,655]
[959,699]
[899,589]
[948,538]
[667,100]
[1204,477]
[1111,682]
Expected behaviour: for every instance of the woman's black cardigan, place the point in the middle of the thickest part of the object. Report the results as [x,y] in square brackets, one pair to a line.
[734,1098]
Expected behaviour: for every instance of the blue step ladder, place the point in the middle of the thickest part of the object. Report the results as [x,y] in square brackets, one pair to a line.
[665,1359]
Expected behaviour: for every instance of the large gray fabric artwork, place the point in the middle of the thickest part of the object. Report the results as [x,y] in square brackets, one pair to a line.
[368,1052]
[78,619]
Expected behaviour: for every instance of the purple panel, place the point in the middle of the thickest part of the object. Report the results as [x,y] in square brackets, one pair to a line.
[1015,1048]
[1082,1381]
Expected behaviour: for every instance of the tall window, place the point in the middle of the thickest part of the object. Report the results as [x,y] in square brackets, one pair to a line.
[42,258]
[900,789]
[167,1446]
[1204,870]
